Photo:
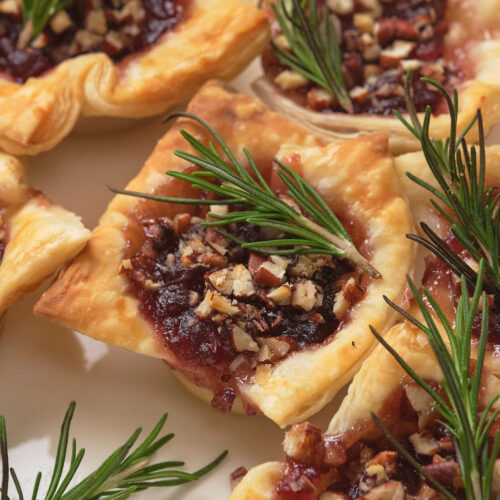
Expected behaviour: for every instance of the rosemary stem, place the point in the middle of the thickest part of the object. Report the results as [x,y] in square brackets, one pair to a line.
[476,483]
[348,248]
[115,480]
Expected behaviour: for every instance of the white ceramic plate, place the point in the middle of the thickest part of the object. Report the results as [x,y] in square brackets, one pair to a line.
[43,366]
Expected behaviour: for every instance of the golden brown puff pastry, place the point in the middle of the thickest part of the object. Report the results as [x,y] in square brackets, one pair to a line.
[216,40]
[372,389]
[36,236]
[92,296]
[472,50]
[423,211]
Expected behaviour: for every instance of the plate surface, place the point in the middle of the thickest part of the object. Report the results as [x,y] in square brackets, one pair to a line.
[43,366]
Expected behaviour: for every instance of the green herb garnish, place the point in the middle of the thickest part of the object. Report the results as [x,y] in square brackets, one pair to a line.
[462,198]
[233,185]
[36,15]
[467,424]
[123,473]
[315,46]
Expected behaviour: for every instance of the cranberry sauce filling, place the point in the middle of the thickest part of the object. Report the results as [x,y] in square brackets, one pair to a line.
[223,310]
[445,286]
[380,42]
[115,27]
[361,461]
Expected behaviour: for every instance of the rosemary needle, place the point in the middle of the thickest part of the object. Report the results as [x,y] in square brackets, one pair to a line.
[315,46]
[319,231]
[36,15]
[462,198]
[123,473]
[462,417]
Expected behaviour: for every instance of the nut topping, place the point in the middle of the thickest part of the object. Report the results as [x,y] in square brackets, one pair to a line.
[380,42]
[341,7]
[291,80]
[306,295]
[242,341]
[281,295]
[272,271]
[393,490]
[425,445]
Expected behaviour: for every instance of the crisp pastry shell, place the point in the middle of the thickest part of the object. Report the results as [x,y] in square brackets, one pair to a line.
[422,211]
[379,376]
[91,296]
[40,236]
[482,90]
[217,40]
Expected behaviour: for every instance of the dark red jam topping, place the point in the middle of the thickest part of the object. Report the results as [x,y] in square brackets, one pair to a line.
[373,68]
[174,275]
[116,27]
[362,461]
[445,286]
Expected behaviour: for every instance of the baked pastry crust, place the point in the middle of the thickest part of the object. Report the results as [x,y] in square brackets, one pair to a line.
[475,29]
[40,236]
[91,295]
[217,40]
[422,211]
[379,376]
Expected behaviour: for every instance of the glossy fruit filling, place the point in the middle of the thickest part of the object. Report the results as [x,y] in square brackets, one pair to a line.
[445,286]
[380,42]
[223,310]
[361,464]
[116,27]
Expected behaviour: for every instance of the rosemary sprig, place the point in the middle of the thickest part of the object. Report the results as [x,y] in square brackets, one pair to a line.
[36,15]
[315,46]
[123,473]
[462,417]
[232,184]
[462,198]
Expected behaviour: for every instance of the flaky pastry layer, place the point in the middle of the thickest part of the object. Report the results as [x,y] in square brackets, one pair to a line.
[217,40]
[474,29]
[91,295]
[40,236]
[379,376]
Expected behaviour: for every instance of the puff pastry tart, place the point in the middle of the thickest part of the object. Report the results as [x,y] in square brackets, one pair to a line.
[455,42]
[437,277]
[36,237]
[353,460]
[282,334]
[115,58]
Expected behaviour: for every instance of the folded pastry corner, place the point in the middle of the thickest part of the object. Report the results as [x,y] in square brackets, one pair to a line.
[36,237]
[282,333]
[353,459]
[454,42]
[124,59]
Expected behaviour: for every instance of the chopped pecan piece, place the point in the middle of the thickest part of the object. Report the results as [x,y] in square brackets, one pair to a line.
[61,22]
[237,475]
[447,472]
[389,29]
[272,271]
[391,56]
[393,490]
[291,80]
[243,341]
[304,444]
[341,7]
[281,295]
[388,460]
[306,295]
[425,445]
